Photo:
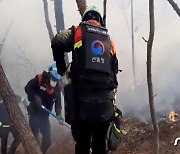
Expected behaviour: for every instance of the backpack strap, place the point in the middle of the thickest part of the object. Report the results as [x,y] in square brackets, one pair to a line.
[39,79]
[77,37]
[113,49]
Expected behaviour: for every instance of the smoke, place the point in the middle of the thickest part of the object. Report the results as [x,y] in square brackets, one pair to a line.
[28,34]
[133,99]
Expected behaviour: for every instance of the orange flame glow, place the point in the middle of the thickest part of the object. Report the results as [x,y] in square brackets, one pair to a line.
[172,116]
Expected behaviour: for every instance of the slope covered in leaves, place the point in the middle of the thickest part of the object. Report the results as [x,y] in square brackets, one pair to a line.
[137,140]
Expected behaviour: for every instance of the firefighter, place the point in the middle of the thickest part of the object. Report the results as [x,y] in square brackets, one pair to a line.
[6,127]
[93,77]
[44,90]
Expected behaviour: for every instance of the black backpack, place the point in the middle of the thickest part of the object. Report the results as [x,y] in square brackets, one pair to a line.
[93,65]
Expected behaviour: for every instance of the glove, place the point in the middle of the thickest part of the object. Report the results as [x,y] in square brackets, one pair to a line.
[62,119]
[38,101]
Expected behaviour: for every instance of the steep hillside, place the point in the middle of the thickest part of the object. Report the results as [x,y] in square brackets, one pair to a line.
[138,138]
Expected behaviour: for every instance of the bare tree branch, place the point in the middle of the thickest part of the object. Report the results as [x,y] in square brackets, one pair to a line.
[25,62]
[81,4]
[144,39]
[6,33]
[175,7]
[155,95]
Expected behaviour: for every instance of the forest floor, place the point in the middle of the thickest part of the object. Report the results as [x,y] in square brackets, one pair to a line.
[137,138]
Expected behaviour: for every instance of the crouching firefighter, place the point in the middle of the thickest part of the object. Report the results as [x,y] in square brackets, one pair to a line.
[93,77]
[44,90]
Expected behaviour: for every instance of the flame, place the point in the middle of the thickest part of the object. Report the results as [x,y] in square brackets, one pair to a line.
[172,116]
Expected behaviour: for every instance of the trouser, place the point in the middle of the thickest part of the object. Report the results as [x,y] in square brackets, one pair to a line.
[90,129]
[4,132]
[15,142]
[40,123]
[90,135]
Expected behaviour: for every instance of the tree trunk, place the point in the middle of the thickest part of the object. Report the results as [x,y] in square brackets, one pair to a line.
[81,4]
[149,75]
[132,42]
[175,7]
[16,116]
[59,15]
[48,24]
[58,9]
[104,13]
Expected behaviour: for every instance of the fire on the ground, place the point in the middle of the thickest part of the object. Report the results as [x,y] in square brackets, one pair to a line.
[172,116]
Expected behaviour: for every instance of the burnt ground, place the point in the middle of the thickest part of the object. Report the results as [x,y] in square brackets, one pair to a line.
[137,138]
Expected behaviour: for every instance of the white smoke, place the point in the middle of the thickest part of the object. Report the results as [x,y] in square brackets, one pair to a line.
[30,34]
